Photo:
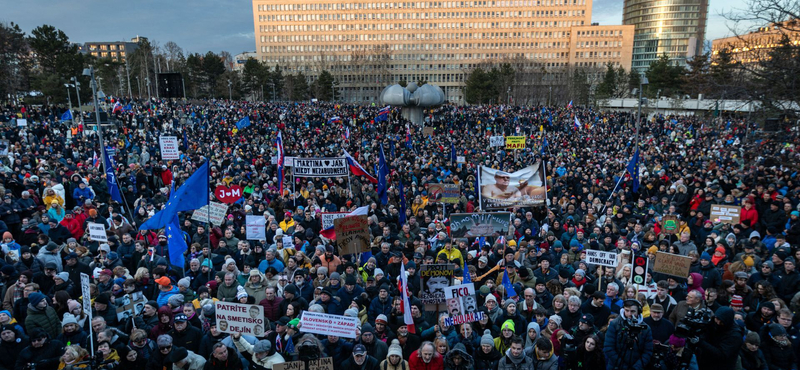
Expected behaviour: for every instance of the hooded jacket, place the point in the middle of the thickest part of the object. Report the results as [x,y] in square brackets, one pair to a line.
[548,362]
[487,361]
[621,355]
[722,343]
[256,290]
[466,360]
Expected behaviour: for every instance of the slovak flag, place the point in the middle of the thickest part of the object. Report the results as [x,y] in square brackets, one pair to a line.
[346,134]
[334,119]
[356,168]
[360,211]
[407,319]
[577,123]
[408,137]
[95,160]
[569,106]
[117,107]
[279,147]
[383,114]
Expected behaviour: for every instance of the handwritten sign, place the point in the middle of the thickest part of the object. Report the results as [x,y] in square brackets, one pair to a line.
[87,298]
[97,232]
[327,324]
[427,131]
[216,212]
[672,264]
[352,234]
[239,318]
[515,142]
[595,257]
[726,214]
[255,227]
[169,148]
[22,122]
[327,218]
[325,363]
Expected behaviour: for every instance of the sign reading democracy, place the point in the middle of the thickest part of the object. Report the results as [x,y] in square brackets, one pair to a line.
[515,142]
[352,234]
[327,324]
[97,232]
[216,212]
[595,257]
[169,148]
[239,318]
[320,167]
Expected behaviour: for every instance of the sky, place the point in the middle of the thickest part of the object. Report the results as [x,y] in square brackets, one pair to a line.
[198,26]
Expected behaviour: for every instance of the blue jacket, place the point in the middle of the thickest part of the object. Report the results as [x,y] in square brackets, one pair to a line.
[622,355]
[347,298]
[376,307]
[276,263]
[163,297]
[84,193]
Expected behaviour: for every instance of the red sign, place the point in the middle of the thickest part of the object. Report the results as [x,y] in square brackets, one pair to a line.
[228,194]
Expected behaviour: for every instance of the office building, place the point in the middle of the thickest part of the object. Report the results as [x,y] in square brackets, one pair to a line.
[240,59]
[754,46]
[369,44]
[116,50]
[672,27]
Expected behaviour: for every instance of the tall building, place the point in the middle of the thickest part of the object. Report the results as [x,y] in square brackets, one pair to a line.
[754,46]
[116,50]
[369,44]
[673,27]
[240,59]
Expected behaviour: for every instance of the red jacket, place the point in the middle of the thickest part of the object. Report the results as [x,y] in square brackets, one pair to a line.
[74,226]
[415,362]
[272,308]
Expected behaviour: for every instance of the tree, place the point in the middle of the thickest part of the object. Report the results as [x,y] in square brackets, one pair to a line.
[276,79]
[213,68]
[254,76]
[299,87]
[696,79]
[607,88]
[476,87]
[323,87]
[15,61]
[56,61]
[779,78]
[664,76]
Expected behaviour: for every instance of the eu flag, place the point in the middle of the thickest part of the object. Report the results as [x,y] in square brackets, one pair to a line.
[383,172]
[402,217]
[633,169]
[111,179]
[244,122]
[175,242]
[467,279]
[544,145]
[192,195]
[453,157]
[67,116]
[510,292]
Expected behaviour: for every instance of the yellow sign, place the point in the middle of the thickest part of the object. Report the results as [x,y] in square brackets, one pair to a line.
[515,142]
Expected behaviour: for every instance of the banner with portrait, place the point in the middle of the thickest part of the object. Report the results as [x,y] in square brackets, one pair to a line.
[523,188]
[471,225]
[462,305]
[435,279]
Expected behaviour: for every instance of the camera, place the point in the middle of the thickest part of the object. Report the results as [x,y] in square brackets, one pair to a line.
[308,351]
[693,324]
[568,347]
[660,352]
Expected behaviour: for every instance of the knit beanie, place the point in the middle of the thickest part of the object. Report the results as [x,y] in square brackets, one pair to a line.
[752,338]
[652,250]
[486,338]
[556,319]
[395,348]
[705,256]
[508,324]
[68,319]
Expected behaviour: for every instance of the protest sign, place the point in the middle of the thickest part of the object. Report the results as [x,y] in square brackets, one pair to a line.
[672,264]
[427,131]
[670,223]
[85,293]
[327,324]
[287,241]
[725,214]
[595,257]
[470,225]
[327,218]
[256,227]
[227,194]
[169,147]
[461,304]
[515,142]
[130,305]
[445,193]
[320,167]
[500,189]
[217,213]
[435,279]
[325,363]
[352,234]
[22,122]
[97,232]
[239,318]
[497,141]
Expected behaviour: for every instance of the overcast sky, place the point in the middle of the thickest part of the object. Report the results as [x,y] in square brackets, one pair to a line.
[202,25]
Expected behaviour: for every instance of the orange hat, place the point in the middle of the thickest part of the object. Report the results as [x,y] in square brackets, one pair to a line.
[163,281]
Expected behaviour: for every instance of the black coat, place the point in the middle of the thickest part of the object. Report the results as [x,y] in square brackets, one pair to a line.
[778,358]
[46,357]
[189,338]
[370,363]
[9,351]
[720,348]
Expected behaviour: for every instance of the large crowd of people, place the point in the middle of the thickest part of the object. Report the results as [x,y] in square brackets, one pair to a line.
[734,309]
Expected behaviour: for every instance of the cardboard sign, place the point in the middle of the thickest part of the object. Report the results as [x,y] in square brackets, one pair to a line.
[228,195]
[497,141]
[327,218]
[352,234]
[515,142]
[427,131]
[240,318]
[449,193]
[326,324]
[670,223]
[256,227]
[726,214]
[601,258]
[325,363]
[216,211]
[22,122]
[320,167]
[672,264]
[87,298]
[97,232]
[470,225]
[435,280]
[169,148]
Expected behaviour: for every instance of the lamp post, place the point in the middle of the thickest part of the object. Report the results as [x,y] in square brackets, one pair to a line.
[90,72]
[69,98]
[230,91]
[77,85]
[642,81]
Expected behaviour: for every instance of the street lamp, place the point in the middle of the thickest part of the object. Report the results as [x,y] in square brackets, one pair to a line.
[642,81]
[69,98]
[90,73]
[230,91]
[77,85]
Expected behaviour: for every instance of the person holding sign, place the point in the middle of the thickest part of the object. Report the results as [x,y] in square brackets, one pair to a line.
[264,355]
[223,358]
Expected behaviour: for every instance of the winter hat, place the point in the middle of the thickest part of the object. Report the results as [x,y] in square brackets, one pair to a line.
[103,298]
[705,256]
[291,288]
[752,338]
[177,355]
[63,275]
[580,272]
[769,264]
[73,304]
[535,326]
[395,349]
[378,272]
[677,342]
[262,346]
[351,312]
[185,282]
[491,297]
[507,303]
[68,319]
[776,330]
[175,300]
[208,310]
[556,319]
[382,319]
[486,338]
[652,250]
[509,324]
[335,276]
[36,298]
[322,270]
[8,270]
[240,293]
[736,301]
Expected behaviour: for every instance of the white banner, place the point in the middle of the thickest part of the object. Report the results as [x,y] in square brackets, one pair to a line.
[169,148]
[22,122]
[460,299]
[97,232]
[326,324]
[595,257]
[320,167]
[255,227]
[327,219]
[240,318]
[497,141]
[87,299]
[217,213]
